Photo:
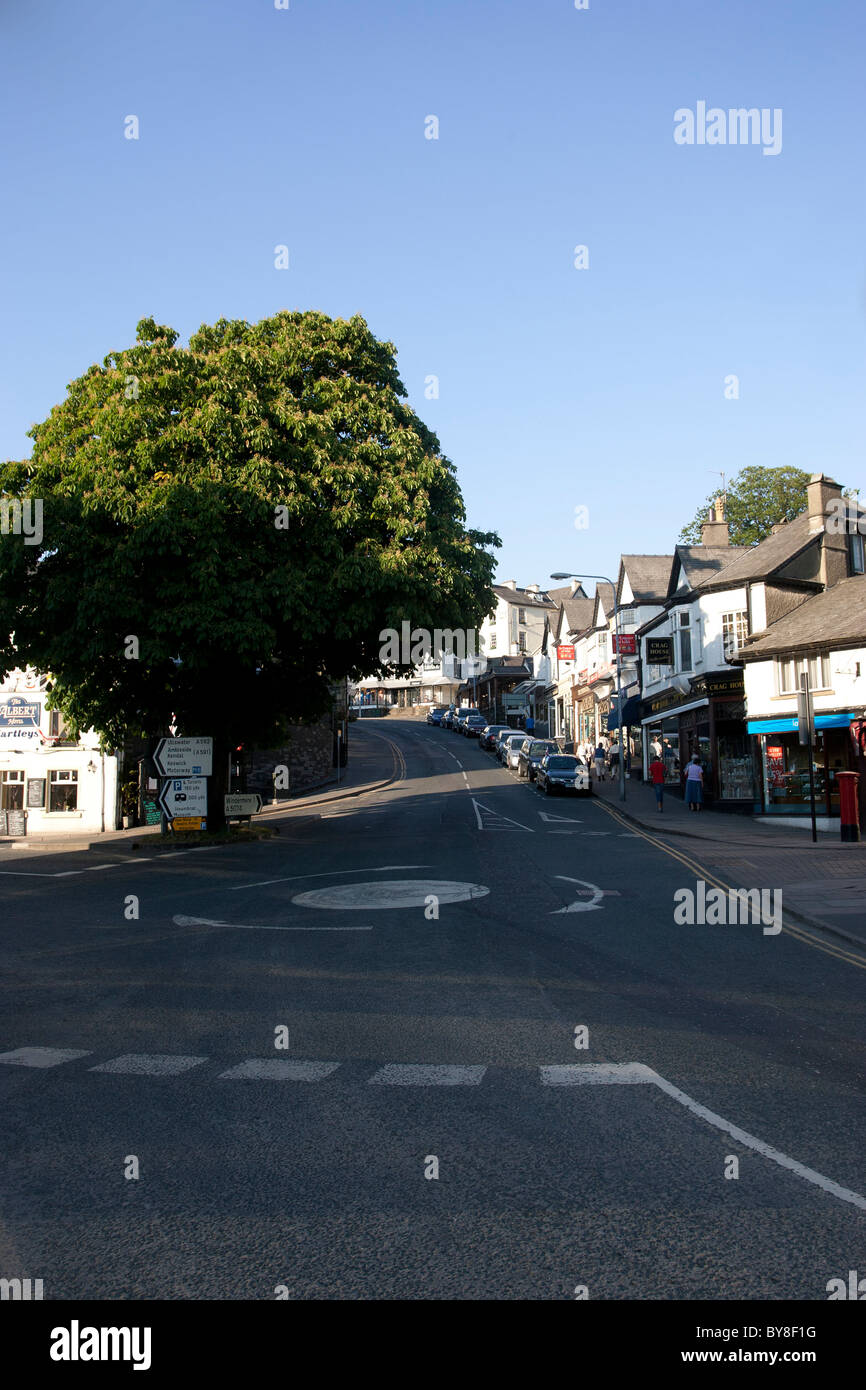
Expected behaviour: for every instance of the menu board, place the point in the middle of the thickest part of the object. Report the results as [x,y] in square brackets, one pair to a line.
[36,793]
[16,823]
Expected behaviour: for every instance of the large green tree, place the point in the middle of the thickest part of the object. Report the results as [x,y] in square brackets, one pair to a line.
[252,509]
[756,498]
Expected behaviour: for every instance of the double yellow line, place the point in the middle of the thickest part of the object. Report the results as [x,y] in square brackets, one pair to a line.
[830,948]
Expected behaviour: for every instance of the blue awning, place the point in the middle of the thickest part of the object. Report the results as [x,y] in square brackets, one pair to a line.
[788,726]
[630,712]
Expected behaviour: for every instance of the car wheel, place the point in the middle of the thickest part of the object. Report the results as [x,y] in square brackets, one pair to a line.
[547,789]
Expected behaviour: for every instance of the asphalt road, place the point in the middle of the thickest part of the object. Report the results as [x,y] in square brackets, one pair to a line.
[415,1037]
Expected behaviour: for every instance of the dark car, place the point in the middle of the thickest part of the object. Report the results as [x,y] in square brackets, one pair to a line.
[473,725]
[531,754]
[435,716]
[488,736]
[462,714]
[448,717]
[563,772]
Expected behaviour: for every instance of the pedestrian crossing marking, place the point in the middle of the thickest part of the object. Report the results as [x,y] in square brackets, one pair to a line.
[149,1064]
[399,1075]
[41,1056]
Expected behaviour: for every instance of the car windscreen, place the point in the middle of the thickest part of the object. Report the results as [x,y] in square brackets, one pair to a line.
[562,764]
[539,749]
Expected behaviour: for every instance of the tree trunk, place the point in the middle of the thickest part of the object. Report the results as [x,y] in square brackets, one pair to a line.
[218,785]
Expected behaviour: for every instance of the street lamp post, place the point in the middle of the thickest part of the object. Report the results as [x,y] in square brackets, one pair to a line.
[605,580]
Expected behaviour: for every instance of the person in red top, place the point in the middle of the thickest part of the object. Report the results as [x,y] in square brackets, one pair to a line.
[657,773]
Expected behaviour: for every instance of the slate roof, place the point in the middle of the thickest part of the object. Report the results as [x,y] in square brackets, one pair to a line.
[648,575]
[526,600]
[834,618]
[703,563]
[578,613]
[759,561]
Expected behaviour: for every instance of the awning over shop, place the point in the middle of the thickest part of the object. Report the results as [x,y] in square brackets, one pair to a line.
[789,725]
[630,713]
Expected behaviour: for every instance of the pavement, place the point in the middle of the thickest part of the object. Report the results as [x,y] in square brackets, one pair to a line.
[823,884]
[373,763]
[442,1038]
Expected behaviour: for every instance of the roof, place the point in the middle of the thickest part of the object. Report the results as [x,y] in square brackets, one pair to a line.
[702,564]
[761,560]
[578,613]
[567,592]
[522,596]
[605,595]
[834,618]
[648,575]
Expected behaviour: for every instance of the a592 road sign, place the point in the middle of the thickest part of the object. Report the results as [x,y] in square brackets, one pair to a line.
[184,757]
[243,804]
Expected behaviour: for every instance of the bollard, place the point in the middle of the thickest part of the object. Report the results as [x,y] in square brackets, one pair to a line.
[849,818]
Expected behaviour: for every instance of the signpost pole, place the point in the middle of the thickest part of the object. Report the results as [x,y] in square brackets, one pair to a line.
[806,734]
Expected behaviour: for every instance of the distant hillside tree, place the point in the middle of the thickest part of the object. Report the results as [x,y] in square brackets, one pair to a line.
[757,498]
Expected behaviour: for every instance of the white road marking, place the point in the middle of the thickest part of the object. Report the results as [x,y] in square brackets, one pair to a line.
[479,807]
[398,1075]
[636,1073]
[278,1069]
[598,1074]
[149,1064]
[332,873]
[180,921]
[41,1056]
[586,889]
[354,897]
[567,820]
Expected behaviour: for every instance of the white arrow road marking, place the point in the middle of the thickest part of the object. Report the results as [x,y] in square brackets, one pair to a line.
[502,821]
[180,921]
[635,1073]
[587,889]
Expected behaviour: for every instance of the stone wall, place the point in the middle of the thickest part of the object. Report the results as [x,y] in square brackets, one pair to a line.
[308,754]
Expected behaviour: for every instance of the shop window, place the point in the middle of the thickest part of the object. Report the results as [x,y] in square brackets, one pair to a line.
[855,544]
[63,791]
[735,630]
[664,742]
[12,790]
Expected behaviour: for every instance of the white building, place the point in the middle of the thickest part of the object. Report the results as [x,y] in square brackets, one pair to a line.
[49,783]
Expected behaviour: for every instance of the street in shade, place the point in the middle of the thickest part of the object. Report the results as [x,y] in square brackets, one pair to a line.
[443,1039]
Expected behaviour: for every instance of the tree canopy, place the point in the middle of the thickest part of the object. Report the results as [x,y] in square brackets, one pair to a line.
[252,509]
[756,499]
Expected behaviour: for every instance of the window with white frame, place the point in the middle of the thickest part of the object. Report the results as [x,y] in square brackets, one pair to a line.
[855,543]
[521,615]
[521,641]
[491,644]
[602,648]
[735,630]
[790,669]
[684,641]
[63,790]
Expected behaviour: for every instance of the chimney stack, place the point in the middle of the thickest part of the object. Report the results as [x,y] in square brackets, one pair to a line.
[834,544]
[714,530]
[509,583]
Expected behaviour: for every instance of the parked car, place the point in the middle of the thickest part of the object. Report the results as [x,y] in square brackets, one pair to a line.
[489,735]
[506,733]
[448,717]
[511,746]
[462,714]
[435,716]
[473,724]
[531,754]
[563,772]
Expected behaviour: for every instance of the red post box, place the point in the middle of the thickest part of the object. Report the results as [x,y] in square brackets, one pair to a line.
[849,817]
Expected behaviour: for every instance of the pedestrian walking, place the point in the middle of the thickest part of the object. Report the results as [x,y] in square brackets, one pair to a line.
[530,725]
[599,763]
[657,775]
[694,784]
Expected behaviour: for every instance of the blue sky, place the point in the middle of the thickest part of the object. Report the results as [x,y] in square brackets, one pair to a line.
[558,387]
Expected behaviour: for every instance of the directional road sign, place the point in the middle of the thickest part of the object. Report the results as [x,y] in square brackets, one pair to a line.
[243,804]
[184,757]
[184,796]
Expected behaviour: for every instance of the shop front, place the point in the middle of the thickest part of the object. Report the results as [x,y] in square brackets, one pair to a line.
[709,721]
[784,763]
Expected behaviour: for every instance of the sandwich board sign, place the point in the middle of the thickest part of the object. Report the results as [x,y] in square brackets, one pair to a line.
[184,757]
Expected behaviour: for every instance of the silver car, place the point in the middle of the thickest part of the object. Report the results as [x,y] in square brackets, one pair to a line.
[511,746]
